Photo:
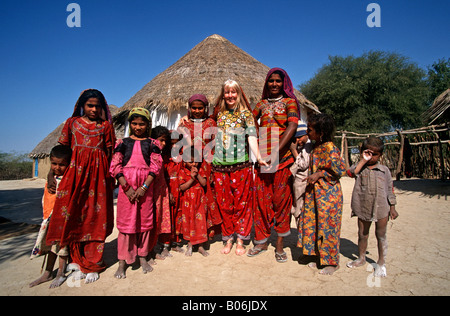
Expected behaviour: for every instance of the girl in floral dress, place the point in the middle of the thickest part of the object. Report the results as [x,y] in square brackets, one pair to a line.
[82,217]
[320,222]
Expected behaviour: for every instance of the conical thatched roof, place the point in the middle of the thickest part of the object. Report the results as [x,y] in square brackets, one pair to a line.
[439,110]
[203,70]
[43,149]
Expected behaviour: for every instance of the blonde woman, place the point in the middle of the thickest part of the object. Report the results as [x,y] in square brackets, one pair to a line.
[233,178]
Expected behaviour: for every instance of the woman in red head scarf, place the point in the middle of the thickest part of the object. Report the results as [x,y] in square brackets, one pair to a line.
[278,112]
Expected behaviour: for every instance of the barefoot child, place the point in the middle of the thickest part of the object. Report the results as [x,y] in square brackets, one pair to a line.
[83,215]
[192,180]
[373,200]
[320,224]
[162,194]
[136,163]
[301,148]
[59,161]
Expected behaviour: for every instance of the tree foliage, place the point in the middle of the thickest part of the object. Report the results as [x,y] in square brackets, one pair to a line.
[376,92]
[14,166]
[438,78]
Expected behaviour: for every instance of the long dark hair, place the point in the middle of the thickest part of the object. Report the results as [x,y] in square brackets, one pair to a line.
[86,95]
[323,123]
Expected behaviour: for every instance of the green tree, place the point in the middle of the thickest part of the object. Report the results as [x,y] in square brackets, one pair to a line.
[438,78]
[15,166]
[376,92]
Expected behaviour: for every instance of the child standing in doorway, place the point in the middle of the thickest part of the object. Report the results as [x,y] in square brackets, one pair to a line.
[373,200]
[59,161]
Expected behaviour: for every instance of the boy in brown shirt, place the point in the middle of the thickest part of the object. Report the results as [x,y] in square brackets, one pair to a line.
[373,200]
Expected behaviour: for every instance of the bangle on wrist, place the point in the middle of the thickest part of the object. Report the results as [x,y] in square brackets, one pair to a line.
[145,186]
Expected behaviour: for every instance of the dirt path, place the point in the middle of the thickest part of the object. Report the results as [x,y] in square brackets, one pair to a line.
[418,261]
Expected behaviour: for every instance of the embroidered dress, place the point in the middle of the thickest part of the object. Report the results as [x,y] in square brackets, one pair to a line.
[274,190]
[83,211]
[320,221]
[233,176]
[274,119]
[202,133]
[193,208]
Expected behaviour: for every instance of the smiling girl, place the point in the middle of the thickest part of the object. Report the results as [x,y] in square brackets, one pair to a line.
[83,213]
[136,163]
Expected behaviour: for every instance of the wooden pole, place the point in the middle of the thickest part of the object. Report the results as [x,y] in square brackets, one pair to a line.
[441,156]
[400,155]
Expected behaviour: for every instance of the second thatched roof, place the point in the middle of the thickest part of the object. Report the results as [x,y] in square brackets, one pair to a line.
[203,70]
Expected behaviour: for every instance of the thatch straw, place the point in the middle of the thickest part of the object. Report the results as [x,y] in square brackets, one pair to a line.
[438,109]
[203,70]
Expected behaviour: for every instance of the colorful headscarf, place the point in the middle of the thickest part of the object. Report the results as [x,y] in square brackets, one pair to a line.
[144,113]
[202,98]
[288,88]
[79,111]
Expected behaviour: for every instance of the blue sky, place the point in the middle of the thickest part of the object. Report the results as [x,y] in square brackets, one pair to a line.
[122,45]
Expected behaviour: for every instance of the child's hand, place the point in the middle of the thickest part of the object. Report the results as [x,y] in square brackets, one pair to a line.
[393,213]
[311,179]
[130,194]
[194,172]
[139,193]
[367,155]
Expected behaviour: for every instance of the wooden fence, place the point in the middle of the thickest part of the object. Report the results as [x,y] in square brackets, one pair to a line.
[422,152]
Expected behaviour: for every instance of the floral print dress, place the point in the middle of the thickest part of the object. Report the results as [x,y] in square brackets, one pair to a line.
[320,222]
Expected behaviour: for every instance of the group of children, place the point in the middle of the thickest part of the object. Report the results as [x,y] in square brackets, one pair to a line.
[171,190]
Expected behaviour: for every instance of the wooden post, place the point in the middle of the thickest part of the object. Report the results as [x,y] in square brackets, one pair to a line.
[400,156]
[441,156]
[344,150]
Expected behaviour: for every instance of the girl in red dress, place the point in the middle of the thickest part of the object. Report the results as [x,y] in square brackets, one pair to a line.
[83,212]
[201,129]
[192,180]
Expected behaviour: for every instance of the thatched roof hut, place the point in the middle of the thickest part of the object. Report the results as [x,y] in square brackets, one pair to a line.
[439,111]
[202,70]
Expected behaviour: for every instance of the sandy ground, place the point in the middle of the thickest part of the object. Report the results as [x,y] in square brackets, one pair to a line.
[418,261]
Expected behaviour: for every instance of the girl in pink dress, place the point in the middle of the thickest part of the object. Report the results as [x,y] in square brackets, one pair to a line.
[136,163]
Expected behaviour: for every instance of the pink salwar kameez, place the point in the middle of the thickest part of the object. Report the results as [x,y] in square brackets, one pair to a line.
[135,219]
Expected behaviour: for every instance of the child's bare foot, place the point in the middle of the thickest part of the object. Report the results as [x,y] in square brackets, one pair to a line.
[47,276]
[203,251]
[329,270]
[356,263]
[189,250]
[240,248]
[166,253]
[380,271]
[58,281]
[145,266]
[120,273]
[227,247]
[91,277]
